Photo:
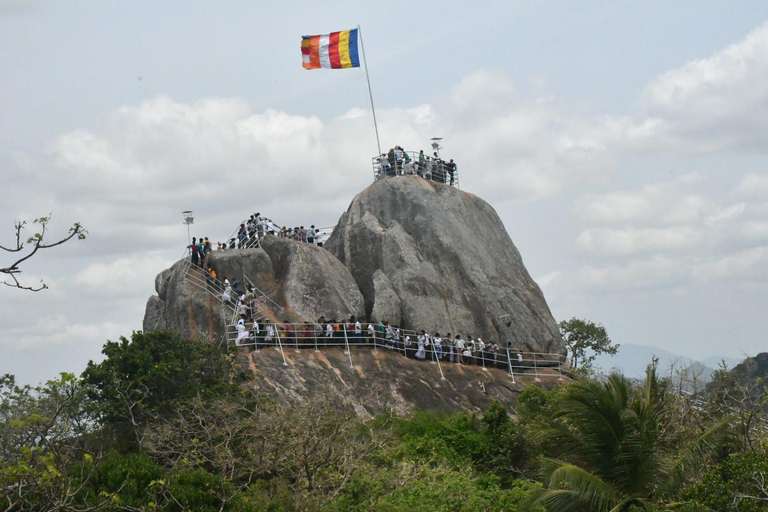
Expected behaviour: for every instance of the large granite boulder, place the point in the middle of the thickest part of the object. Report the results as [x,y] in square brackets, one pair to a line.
[183,308]
[311,282]
[304,280]
[448,258]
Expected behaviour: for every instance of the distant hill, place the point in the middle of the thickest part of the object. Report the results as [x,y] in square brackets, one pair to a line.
[632,360]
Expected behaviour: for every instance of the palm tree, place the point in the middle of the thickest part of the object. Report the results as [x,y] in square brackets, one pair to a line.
[612,440]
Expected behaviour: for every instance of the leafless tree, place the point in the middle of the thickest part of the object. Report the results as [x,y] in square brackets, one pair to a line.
[23,250]
[260,437]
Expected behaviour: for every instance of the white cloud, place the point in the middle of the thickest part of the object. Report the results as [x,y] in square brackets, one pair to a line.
[743,264]
[629,241]
[655,272]
[719,102]
[666,203]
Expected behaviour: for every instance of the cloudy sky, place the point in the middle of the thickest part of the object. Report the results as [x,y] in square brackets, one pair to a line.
[622,143]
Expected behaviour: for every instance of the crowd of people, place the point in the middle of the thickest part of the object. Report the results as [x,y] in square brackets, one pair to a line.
[249,235]
[397,162]
[422,346]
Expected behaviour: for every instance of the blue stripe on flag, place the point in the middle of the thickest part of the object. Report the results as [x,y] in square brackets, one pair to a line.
[353,48]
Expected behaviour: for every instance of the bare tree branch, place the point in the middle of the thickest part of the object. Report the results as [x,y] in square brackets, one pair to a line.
[32,245]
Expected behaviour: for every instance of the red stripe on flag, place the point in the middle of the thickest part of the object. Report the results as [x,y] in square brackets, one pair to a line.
[333,50]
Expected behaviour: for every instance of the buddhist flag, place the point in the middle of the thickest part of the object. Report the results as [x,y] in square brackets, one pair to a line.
[335,50]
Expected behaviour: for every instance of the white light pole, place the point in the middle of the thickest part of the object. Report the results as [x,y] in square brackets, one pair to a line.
[188,220]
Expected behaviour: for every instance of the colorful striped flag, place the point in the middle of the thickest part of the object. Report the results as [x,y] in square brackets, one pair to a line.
[335,50]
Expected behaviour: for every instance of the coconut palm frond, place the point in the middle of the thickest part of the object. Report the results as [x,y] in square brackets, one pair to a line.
[590,489]
[688,461]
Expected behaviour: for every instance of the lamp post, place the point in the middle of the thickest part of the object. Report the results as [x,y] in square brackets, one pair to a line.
[188,220]
[436,145]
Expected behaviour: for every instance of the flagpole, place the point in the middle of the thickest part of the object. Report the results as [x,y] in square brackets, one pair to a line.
[368,79]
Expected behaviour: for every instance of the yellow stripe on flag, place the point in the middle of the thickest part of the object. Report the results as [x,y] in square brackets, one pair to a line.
[346,61]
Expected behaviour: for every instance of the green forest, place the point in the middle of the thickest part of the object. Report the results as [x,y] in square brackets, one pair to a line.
[167,423]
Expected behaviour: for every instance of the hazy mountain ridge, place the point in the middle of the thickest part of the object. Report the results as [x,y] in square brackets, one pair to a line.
[632,360]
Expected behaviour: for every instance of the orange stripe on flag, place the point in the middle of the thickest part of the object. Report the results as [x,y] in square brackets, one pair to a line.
[313,43]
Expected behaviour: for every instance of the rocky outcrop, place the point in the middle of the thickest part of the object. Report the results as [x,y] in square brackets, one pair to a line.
[387,305]
[383,381]
[307,281]
[311,282]
[448,259]
[182,308]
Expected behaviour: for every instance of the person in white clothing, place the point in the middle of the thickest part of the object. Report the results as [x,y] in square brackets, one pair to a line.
[437,342]
[270,334]
[242,332]
[407,346]
[371,333]
[480,350]
[420,353]
[459,349]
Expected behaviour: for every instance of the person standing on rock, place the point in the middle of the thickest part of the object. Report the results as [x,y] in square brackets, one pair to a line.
[480,350]
[270,334]
[420,353]
[311,234]
[408,346]
[358,331]
[242,332]
[449,347]
[459,344]
[371,334]
[451,168]
[391,161]
[389,336]
[194,252]
[256,334]
[437,342]
[226,296]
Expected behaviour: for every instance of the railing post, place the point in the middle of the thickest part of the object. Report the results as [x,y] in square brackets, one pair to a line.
[509,365]
[314,330]
[439,366]
[482,358]
[535,369]
[559,371]
[346,342]
[279,343]
[375,345]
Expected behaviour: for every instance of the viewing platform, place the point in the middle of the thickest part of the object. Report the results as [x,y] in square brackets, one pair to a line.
[418,163]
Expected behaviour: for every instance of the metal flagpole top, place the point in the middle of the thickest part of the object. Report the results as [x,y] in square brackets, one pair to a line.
[368,79]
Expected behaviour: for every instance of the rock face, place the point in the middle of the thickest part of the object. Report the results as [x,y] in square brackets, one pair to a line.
[311,281]
[383,381]
[184,309]
[448,259]
[307,281]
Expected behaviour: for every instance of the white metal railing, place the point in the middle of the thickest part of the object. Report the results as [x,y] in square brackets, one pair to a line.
[315,336]
[252,239]
[199,277]
[420,164]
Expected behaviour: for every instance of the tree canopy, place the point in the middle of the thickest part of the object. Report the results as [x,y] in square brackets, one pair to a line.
[585,340]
